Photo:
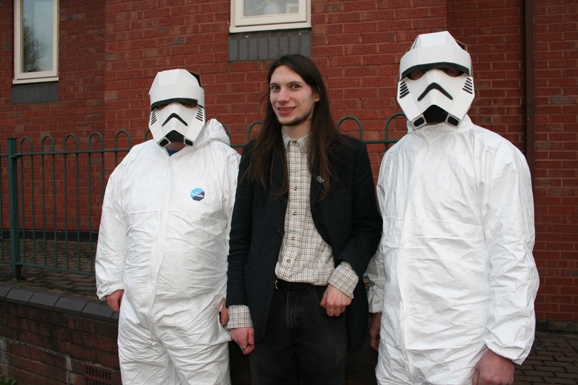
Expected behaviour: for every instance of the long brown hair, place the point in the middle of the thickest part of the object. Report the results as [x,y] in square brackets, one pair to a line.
[269,143]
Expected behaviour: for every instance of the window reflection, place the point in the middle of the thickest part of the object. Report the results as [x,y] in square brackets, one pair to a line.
[37,35]
[270,7]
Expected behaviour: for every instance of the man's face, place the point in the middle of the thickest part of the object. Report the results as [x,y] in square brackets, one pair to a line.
[292,99]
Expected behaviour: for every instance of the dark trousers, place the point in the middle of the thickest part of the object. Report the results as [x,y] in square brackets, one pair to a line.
[302,343]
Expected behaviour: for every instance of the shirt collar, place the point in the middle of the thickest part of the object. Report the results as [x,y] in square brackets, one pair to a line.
[302,142]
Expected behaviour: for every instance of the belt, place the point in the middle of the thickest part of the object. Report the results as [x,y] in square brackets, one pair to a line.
[285,286]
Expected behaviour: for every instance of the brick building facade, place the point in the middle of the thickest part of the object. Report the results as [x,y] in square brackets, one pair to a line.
[110,50]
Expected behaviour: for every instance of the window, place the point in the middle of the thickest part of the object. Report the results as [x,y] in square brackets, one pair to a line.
[266,15]
[35,41]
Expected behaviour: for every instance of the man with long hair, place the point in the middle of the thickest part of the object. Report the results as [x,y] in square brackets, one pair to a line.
[305,225]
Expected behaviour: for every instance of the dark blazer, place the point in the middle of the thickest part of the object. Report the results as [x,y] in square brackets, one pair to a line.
[347,219]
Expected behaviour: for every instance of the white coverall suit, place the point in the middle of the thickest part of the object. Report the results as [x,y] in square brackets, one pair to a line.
[454,272]
[164,239]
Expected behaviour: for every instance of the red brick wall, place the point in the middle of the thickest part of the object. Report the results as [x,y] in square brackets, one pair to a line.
[355,44]
[47,347]
[111,50]
[556,180]
[494,34]
[79,109]
[80,106]
[41,346]
[143,39]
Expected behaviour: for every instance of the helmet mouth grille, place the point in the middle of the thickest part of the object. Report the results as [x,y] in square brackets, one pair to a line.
[434,115]
[175,137]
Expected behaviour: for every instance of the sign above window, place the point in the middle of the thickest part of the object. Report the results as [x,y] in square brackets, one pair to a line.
[266,15]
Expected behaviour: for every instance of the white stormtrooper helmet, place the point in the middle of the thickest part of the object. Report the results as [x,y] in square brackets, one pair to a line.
[435,96]
[172,117]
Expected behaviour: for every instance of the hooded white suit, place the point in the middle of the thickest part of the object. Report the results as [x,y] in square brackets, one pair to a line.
[164,239]
[454,272]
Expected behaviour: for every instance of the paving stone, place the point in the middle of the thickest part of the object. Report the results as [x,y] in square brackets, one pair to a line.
[550,368]
[561,381]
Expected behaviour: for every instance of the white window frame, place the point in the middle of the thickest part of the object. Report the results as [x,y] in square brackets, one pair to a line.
[240,23]
[40,76]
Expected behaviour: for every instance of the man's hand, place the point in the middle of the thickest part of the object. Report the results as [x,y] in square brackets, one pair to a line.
[113,300]
[245,338]
[224,314]
[334,301]
[493,369]
[374,331]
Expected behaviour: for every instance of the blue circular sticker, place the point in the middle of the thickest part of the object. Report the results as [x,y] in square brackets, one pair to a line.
[197,194]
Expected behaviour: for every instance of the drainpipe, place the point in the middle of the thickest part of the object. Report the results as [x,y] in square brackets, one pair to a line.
[530,85]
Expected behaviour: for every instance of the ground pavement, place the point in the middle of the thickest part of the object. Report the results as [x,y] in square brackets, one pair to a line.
[553,360]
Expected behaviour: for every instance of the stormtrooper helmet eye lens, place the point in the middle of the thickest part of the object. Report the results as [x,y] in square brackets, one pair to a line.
[454,73]
[160,106]
[415,75]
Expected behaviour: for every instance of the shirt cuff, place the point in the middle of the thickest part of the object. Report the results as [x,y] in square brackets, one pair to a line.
[239,317]
[344,278]
[375,300]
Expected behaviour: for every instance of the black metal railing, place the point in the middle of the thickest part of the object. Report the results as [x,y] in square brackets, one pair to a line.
[55,197]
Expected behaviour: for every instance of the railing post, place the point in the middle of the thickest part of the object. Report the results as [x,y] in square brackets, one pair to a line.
[13,202]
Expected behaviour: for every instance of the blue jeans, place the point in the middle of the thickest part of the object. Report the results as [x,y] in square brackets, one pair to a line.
[302,343]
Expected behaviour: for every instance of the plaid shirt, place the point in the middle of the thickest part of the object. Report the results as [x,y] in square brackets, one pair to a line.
[304,255]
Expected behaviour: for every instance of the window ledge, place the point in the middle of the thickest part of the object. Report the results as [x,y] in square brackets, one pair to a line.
[35,80]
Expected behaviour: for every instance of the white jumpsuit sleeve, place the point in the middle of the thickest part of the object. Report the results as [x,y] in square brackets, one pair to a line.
[508,215]
[375,270]
[111,250]
[232,172]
